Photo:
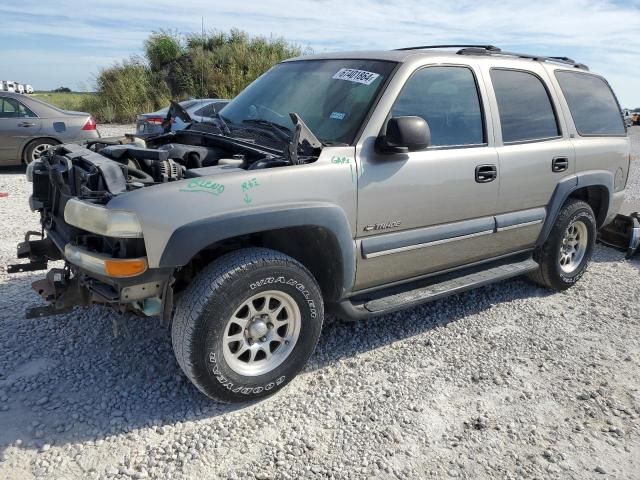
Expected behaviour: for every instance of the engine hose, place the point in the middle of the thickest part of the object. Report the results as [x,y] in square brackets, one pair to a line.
[139,175]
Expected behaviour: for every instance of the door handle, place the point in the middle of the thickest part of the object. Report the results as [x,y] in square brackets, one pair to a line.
[486,173]
[26,124]
[559,164]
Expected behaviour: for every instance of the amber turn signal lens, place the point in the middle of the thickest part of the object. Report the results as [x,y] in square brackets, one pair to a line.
[125,268]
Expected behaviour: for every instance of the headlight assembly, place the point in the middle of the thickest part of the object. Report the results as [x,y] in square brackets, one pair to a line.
[101,220]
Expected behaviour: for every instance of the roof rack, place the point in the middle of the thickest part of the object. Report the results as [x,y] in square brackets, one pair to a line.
[493,50]
[479,50]
[425,47]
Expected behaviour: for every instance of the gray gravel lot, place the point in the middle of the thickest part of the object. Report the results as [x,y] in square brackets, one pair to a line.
[508,381]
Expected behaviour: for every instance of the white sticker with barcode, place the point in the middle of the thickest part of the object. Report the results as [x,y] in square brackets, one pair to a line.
[358,76]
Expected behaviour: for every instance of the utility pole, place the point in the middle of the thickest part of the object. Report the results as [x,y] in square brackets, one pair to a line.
[202,63]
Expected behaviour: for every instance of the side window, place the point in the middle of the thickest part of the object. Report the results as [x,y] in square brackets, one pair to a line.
[11,108]
[593,106]
[447,98]
[205,111]
[524,106]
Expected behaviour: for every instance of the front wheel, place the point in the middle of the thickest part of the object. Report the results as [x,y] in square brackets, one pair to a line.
[565,255]
[247,324]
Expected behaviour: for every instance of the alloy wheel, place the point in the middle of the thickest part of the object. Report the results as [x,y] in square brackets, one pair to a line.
[262,333]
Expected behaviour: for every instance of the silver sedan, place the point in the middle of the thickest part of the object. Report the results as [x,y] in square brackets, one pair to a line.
[28,127]
[198,109]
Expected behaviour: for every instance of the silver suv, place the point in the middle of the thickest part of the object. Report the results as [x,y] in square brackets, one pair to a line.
[351,183]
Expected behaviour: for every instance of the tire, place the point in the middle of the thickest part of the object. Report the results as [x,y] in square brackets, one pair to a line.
[575,254]
[36,148]
[214,310]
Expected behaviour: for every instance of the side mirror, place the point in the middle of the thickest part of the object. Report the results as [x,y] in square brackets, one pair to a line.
[404,134]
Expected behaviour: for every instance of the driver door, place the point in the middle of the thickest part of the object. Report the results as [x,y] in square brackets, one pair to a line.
[429,210]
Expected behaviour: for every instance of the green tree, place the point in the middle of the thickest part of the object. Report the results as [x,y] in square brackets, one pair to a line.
[162,48]
[216,64]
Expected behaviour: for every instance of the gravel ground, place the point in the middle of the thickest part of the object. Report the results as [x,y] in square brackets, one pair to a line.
[508,381]
[115,129]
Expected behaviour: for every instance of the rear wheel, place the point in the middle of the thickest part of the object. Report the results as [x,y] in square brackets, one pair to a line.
[247,324]
[36,149]
[565,255]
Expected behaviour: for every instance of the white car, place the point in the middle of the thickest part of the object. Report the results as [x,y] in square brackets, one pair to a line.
[28,89]
[628,120]
[19,88]
[10,86]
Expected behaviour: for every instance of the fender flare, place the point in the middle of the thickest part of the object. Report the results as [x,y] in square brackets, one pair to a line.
[189,239]
[594,178]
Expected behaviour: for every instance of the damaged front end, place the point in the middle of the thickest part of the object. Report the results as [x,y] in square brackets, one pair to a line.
[103,247]
[58,288]
[103,250]
[79,283]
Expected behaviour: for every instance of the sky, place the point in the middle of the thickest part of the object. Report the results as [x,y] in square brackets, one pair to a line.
[65,42]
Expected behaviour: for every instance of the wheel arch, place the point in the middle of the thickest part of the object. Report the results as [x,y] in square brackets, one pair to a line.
[593,187]
[318,236]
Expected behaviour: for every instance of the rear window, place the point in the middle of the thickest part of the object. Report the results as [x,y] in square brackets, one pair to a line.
[524,106]
[592,104]
[11,108]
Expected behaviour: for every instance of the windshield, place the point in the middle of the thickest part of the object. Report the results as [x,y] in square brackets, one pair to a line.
[331,96]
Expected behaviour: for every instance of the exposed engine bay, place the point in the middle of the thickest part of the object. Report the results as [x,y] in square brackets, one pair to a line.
[102,168]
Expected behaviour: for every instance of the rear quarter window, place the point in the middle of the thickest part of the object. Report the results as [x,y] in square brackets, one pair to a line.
[593,106]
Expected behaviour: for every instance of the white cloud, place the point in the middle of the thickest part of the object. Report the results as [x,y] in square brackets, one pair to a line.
[603,34]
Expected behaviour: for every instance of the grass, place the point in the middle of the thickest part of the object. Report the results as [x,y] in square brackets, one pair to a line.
[75,101]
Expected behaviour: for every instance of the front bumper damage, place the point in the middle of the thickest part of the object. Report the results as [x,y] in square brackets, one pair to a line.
[102,249]
[64,288]
[61,291]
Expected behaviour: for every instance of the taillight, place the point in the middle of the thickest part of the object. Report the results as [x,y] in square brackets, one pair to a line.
[90,124]
[154,120]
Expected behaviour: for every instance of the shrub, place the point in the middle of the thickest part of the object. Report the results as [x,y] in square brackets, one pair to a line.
[162,48]
[216,64]
[128,88]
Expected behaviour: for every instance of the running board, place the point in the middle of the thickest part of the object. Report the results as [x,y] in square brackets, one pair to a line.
[448,285]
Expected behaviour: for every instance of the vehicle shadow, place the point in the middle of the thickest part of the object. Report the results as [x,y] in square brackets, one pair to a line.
[606,254]
[68,379]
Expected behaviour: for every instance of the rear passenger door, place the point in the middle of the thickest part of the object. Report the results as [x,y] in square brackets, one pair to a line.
[534,152]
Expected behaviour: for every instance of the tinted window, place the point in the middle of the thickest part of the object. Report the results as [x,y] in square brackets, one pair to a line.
[447,98]
[524,106]
[206,111]
[593,106]
[11,108]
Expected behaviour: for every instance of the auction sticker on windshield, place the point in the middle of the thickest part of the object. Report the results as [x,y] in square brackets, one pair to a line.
[358,76]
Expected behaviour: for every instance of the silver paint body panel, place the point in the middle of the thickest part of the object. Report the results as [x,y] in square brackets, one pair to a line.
[427,193]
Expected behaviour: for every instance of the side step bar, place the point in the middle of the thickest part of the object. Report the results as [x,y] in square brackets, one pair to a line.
[444,286]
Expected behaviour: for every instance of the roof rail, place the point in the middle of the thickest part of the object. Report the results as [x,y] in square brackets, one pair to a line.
[538,58]
[425,47]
